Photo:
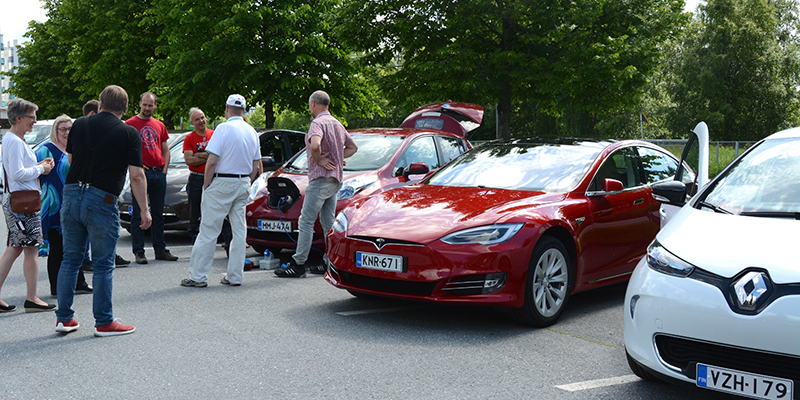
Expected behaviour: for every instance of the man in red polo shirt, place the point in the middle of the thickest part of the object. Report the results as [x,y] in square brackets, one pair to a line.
[194,153]
[155,157]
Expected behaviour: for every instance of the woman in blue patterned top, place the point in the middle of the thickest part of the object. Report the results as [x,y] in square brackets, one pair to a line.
[52,189]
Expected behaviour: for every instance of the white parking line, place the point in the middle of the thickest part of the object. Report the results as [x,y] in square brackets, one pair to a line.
[376,310]
[574,387]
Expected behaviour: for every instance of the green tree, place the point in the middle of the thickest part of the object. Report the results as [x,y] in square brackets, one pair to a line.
[42,77]
[739,69]
[273,53]
[591,57]
[111,42]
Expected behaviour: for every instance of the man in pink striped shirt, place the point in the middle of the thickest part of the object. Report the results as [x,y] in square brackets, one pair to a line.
[327,145]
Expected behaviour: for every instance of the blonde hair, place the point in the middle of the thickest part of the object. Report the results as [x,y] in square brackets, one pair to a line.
[54,129]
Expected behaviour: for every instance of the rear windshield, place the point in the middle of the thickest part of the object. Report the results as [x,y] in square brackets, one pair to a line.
[374,151]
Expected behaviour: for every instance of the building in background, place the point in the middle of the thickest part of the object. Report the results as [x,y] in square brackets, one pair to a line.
[8,63]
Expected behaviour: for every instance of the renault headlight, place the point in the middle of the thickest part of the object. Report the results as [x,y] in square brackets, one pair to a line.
[354,185]
[489,234]
[661,260]
[340,223]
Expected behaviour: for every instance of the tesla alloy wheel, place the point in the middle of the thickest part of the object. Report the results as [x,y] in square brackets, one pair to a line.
[547,285]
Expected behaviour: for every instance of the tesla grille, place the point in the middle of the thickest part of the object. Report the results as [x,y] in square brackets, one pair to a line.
[685,354]
[373,239]
[387,285]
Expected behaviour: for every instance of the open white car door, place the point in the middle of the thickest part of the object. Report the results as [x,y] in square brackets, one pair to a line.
[695,157]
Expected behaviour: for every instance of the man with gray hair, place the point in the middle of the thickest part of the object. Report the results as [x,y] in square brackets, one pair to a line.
[234,161]
[327,144]
[194,153]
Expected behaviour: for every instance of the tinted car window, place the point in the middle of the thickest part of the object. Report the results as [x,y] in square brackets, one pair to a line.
[421,149]
[657,165]
[620,165]
[524,166]
[374,151]
[271,147]
[451,147]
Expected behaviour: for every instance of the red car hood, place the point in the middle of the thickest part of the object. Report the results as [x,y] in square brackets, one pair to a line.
[424,213]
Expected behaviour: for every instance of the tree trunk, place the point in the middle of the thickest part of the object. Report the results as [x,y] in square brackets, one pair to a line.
[269,115]
[504,113]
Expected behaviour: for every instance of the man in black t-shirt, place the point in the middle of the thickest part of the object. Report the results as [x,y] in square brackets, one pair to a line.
[101,149]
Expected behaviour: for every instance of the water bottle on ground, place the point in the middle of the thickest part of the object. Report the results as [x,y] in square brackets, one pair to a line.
[269,261]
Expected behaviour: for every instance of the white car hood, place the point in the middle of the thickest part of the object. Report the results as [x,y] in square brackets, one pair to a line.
[726,244]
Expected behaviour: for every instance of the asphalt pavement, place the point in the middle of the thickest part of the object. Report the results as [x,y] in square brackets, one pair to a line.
[274,338]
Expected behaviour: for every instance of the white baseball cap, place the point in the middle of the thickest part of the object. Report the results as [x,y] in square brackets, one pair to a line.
[236,100]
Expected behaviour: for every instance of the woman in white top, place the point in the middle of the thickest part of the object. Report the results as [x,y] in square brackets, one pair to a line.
[24,230]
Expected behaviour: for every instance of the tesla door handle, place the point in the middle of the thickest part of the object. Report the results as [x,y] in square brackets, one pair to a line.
[637,202]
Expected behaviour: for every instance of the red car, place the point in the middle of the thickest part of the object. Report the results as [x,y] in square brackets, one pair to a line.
[386,158]
[521,224]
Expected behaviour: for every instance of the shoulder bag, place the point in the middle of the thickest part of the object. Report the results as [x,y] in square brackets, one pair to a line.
[23,201]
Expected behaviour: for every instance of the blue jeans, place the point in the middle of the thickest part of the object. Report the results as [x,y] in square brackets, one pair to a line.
[86,214]
[321,196]
[156,190]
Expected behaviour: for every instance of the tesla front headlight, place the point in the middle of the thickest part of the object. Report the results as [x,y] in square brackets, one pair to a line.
[661,260]
[354,185]
[489,234]
[340,223]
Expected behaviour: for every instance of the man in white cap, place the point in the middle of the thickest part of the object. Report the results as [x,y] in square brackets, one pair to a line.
[234,161]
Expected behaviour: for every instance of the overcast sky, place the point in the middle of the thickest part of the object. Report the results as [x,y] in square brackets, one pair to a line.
[15,14]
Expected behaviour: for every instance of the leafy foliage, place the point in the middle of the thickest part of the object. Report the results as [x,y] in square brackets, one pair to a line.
[740,69]
[588,56]
[275,53]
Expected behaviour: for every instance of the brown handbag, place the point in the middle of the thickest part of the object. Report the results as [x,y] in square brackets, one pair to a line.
[23,201]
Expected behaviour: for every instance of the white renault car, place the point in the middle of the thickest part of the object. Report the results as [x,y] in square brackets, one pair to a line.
[716,300]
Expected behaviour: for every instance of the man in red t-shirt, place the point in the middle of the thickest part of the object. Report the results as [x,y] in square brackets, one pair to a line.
[194,153]
[155,157]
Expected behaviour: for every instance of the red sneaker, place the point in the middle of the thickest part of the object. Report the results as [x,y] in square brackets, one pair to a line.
[66,327]
[113,329]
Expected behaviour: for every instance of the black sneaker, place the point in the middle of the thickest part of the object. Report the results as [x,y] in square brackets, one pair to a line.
[291,270]
[120,262]
[166,256]
[140,258]
[318,269]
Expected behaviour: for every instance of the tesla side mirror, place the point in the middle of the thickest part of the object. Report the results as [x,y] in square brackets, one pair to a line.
[612,185]
[670,192]
[416,168]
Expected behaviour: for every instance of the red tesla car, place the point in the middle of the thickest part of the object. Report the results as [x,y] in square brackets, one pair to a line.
[520,224]
[386,158]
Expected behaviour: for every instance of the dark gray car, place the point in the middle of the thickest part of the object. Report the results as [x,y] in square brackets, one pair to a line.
[277,146]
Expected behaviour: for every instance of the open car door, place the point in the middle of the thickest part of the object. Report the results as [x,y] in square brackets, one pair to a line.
[457,118]
[695,156]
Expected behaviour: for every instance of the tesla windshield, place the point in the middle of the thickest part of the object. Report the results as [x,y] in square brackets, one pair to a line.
[523,166]
[765,182]
[374,151]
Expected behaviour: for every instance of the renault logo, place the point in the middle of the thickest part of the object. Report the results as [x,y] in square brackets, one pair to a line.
[379,242]
[750,288]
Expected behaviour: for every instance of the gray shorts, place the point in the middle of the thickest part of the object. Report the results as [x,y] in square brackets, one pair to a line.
[24,230]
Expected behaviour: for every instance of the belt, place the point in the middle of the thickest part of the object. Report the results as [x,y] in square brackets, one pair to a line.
[197,173]
[146,168]
[232,175]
